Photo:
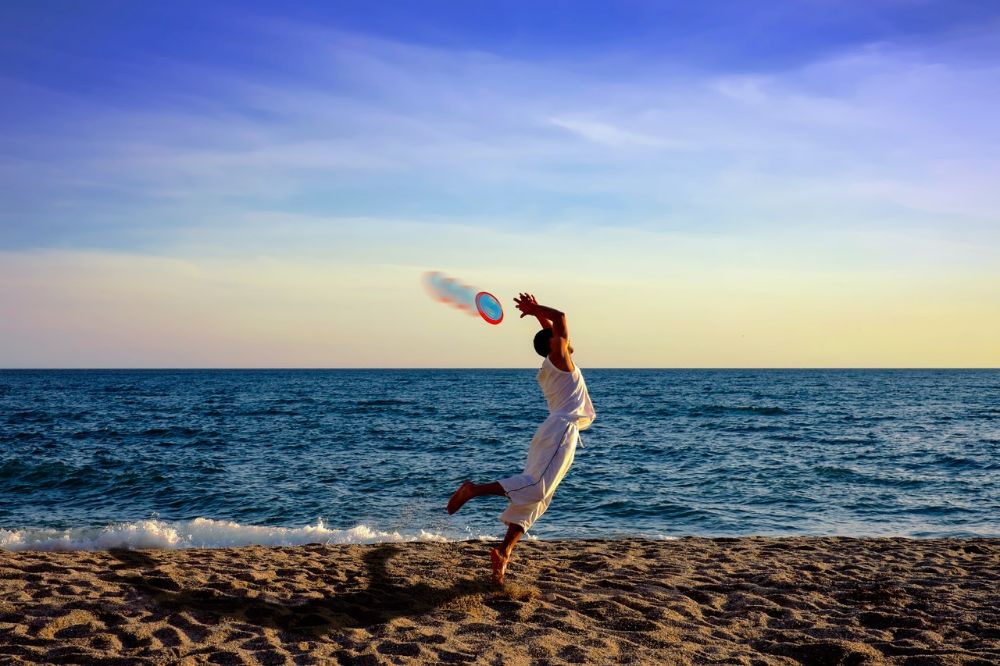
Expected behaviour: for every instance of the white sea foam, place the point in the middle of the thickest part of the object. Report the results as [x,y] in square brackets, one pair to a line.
[197,533]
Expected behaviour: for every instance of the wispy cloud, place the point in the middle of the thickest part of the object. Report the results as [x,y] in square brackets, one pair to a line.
[610,135]
[440,129]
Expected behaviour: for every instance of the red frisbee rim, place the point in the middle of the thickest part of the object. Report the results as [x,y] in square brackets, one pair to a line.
[489,320]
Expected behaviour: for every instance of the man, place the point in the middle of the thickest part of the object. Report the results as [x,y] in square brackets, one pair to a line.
[554,444]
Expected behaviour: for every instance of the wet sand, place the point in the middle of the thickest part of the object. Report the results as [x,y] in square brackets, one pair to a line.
[737,601]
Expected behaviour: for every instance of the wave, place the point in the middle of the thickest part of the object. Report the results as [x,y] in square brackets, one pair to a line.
[717,410]
[855,476]
[197,533]
[381,402]
[175,431]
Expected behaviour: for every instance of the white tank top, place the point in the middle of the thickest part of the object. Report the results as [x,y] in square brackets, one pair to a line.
[566,393]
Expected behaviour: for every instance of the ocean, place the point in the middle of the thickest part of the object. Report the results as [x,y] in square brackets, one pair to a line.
[211,458]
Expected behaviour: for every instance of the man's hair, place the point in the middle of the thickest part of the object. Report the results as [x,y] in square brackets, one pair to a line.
[543,341]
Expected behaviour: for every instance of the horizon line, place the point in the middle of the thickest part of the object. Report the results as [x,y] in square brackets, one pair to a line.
[416,368]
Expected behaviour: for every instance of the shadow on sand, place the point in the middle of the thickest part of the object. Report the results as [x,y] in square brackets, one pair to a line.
[381,601]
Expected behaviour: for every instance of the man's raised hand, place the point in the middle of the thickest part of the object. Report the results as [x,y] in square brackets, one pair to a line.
[527,304]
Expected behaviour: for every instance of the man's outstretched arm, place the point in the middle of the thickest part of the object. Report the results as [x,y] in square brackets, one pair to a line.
[559,355]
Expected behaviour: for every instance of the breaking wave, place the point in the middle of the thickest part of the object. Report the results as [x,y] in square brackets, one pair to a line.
[197,533]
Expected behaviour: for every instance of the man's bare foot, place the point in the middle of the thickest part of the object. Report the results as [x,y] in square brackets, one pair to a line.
[461,496]
[499,563]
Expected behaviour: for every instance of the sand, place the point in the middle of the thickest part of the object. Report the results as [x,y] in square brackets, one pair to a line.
[737,601]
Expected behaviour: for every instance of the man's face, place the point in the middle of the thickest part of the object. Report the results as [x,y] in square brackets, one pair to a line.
[569,346]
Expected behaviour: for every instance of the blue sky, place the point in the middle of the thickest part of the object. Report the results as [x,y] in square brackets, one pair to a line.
[843,139]
[92,90]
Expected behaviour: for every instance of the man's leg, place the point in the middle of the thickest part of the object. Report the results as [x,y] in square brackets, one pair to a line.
[499,557]
[514,534]
[468,490]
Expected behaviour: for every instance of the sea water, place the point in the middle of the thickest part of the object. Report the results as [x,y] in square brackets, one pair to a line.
[110,458]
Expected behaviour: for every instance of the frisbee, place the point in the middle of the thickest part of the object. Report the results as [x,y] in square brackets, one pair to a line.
[489,307]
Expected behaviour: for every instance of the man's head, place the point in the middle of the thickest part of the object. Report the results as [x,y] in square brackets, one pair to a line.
[543,341]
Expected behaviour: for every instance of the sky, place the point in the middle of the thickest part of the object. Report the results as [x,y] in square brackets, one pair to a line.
[711,184]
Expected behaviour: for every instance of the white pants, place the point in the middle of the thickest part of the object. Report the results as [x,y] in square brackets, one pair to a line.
[549,458]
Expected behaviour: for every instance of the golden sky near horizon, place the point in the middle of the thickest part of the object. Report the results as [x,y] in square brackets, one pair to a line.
[634,299]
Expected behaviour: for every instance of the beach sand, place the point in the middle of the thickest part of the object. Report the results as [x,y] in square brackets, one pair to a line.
[694,600]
